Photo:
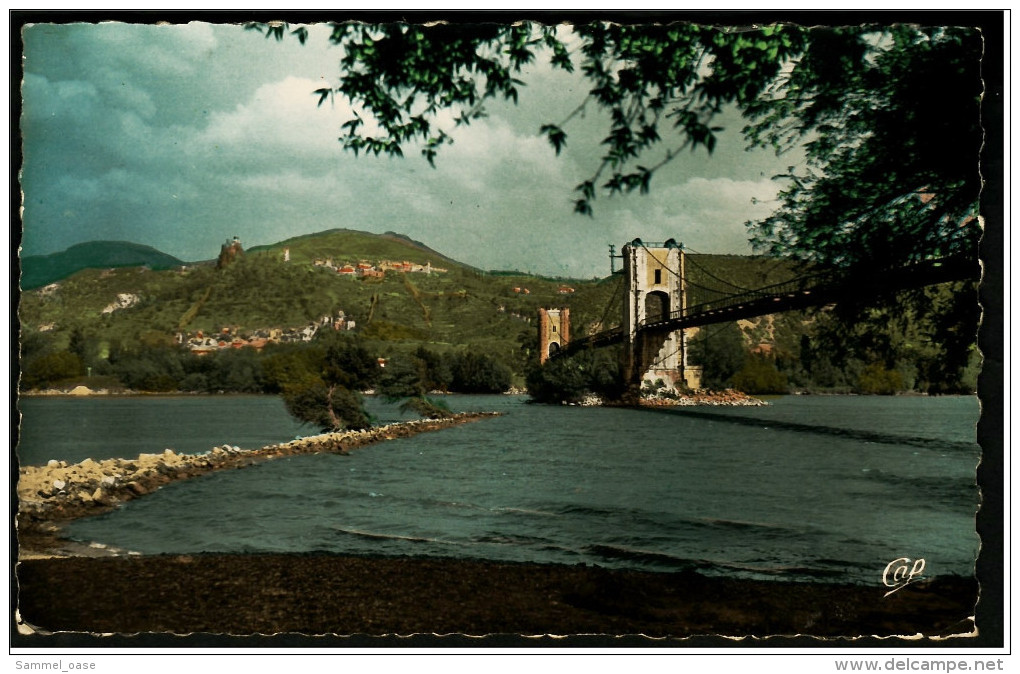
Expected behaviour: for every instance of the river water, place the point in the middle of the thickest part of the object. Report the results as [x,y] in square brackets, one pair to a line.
[808,488]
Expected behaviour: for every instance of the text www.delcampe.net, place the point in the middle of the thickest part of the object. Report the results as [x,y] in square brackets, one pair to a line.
[919,665]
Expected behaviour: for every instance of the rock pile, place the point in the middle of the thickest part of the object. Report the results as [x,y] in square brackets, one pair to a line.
[727,398]
[58,491]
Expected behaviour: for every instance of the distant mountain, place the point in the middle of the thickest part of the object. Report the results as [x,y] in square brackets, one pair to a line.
[41,270]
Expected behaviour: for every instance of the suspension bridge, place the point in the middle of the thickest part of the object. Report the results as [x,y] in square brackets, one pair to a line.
[656,313]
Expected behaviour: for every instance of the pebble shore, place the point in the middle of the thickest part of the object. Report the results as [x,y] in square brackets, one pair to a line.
[321,594]
[727,398]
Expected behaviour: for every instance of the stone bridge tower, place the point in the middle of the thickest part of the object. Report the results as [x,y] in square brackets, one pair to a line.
[553,331]
[655,288]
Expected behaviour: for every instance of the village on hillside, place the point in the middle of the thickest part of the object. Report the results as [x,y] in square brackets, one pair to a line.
[364,269]
[201,344]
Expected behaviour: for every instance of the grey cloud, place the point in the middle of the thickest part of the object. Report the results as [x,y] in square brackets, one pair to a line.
[177,136]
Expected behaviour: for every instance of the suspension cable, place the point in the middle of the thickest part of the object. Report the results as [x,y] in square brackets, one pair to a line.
[609,305]
[713,276]
[688,281]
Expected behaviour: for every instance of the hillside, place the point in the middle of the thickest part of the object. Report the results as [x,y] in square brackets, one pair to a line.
[40,270]
[406,295]
[452,305]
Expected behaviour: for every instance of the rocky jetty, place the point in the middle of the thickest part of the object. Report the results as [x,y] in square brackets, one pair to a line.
[59,491]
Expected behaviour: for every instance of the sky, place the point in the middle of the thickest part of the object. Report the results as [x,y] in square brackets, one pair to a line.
[181,136]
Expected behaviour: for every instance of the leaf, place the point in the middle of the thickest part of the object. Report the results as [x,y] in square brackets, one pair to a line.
[582,207]
[557,137]
[587,188]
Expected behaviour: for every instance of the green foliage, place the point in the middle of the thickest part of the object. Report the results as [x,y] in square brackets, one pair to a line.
[721,352]
[570,379]
[559,381]
[284,365]
[329,407]
[876,379]
[928,336]
[392,331]
[414,375]
[434,370]
[327,396]
[51,368]
[877,189]
[759,376]
[236,370]
[85,346]
[151,368]
[349,364]
[479,373]
[428,408]
[404,377]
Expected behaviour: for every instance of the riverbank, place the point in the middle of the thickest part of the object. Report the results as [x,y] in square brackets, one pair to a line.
[316,594]
[58,491]
[727,397]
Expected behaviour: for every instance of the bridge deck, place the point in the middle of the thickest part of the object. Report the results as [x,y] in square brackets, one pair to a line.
[801,293]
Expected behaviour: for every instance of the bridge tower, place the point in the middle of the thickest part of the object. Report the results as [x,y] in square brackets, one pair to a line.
[553,331]
[655,288]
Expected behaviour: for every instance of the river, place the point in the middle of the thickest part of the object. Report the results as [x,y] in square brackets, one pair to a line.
[809,488]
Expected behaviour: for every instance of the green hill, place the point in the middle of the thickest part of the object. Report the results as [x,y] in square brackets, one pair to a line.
[454,305]
[353,245]
[40,270]
[104,311]
[460,305]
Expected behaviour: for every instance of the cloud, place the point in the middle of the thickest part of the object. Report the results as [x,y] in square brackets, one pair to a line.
[707,215]
[117,88]
[54,101]
[491,156]
[161,49]
[177,136]
[280,115]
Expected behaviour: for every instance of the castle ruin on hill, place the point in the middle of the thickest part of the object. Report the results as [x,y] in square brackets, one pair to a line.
[229,252]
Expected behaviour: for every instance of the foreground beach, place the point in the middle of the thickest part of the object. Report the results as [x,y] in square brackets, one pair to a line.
[317,594]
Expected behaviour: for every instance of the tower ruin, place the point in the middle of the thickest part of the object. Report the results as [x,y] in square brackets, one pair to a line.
[553,331]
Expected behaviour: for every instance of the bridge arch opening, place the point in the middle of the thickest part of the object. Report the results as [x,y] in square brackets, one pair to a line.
[656,306]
